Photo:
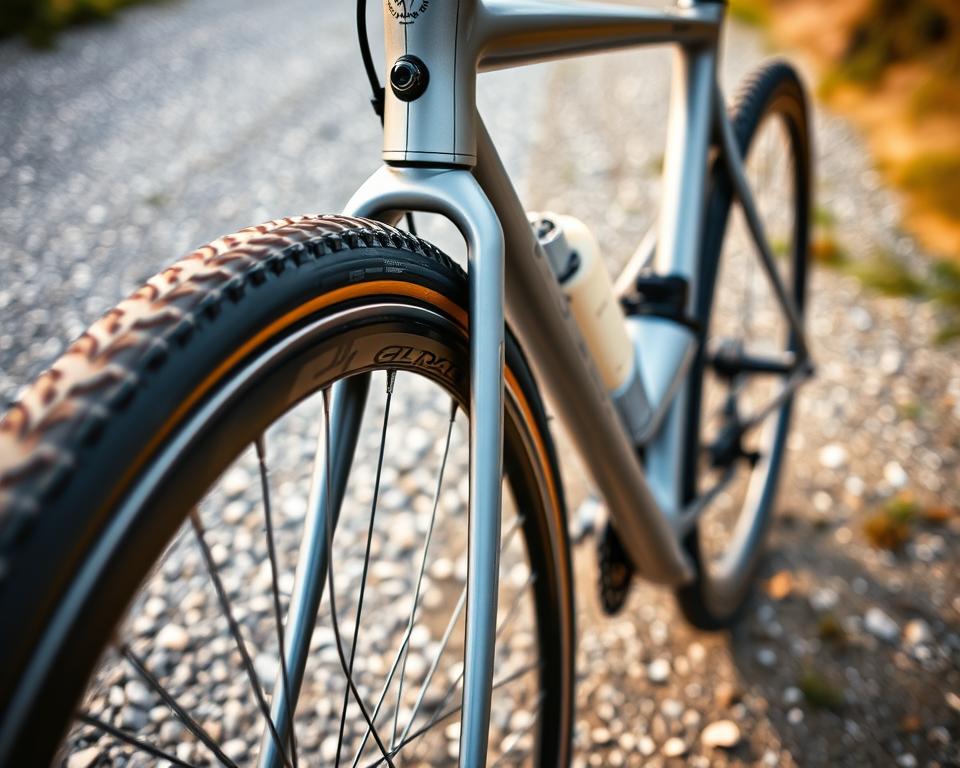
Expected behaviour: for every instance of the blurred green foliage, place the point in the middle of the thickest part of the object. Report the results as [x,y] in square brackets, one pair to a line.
[40,20]
[819,691]
[890,526]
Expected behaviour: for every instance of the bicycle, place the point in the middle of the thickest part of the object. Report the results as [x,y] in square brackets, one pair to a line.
[113,459]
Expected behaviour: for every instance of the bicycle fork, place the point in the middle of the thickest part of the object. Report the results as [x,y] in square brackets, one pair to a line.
[456,195]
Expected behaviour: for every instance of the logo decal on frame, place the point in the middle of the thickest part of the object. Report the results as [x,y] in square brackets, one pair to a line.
[407,11]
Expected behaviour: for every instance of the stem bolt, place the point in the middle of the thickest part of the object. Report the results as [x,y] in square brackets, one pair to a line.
[409,78]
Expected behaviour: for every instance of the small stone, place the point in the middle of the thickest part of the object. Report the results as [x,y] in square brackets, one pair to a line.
[917,632]
[833,456]
[171,732]
[658,671]
[939,735]
[878,624]
[824,599]
[134,719]
[674,747]
[235,749]
[600,736]
[795,716]
[696,653]
[266,668]
[891,361]
[953,700]
[671,708]
[894,474]
[721,733]
[138,694]
[116,697]
[907,760]
[647,746]
[766,657]
[725,695]
[236,481]
[822,502]
[233,716]
[85,758]
[792,696]
[860,319]
[780,585]
[173,638]
[328,748]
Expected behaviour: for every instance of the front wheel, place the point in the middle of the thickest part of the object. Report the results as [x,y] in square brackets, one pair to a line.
[177,578]
[736,424]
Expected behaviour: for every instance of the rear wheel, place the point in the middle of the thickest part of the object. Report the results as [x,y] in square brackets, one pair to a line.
[736,426]
[161,485]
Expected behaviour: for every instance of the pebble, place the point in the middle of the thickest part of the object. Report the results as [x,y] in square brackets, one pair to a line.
[646,746]
[792,696]
[824,599]
[173,638]
[917,632]
[725,695]
[134,719]
[721,733]
[894,474]
[795,716]
[671,708]
[235,749]
[138,694]
[833,456]
[600,736]
[766,657]
[85,758]
[658,671]
[953,700]
[674,747]
[880,625]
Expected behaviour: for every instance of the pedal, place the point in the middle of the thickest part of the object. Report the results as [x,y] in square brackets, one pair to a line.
[616,570]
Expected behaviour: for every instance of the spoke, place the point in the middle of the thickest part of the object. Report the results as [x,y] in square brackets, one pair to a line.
[513,739]
[289,734]
[423,563]
[391,380]
[192,725]
[133,741]
[440,717]
[445,639]
[235,631]
[506,620]
[332,589]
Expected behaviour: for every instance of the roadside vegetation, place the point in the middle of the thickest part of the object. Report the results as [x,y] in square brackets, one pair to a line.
[893,66]
[39,21]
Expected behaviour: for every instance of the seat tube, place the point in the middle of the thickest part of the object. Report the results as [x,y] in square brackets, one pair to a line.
[681,231]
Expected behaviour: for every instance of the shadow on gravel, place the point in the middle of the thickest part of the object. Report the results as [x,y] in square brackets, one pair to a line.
[849,653]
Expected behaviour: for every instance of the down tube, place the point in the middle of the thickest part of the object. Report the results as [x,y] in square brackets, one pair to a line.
[538,313]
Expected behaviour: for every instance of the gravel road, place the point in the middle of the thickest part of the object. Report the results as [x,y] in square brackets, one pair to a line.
[134,142]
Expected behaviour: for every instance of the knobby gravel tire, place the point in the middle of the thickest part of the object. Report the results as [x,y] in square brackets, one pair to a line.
[86,504]
[773,91]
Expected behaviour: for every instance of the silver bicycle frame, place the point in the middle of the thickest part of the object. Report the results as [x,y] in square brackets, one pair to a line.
[440,159]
